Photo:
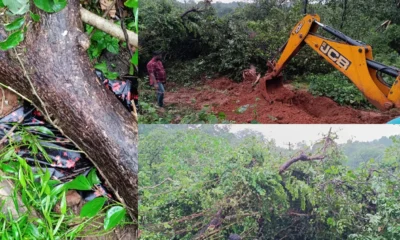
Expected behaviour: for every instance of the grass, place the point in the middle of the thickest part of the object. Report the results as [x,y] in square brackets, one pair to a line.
[34,196]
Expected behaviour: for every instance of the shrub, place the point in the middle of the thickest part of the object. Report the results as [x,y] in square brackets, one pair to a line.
[336,86]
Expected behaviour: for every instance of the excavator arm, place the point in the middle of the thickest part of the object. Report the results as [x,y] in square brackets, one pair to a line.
[352,58]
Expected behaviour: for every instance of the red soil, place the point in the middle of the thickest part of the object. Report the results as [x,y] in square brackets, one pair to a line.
[285,105]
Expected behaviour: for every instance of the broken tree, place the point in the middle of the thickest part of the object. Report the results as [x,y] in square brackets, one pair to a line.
[52,70]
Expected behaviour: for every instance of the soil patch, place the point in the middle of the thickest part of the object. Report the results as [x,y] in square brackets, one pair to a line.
[243,104]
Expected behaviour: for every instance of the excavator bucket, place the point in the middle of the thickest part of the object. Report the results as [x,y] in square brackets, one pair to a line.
[270,83]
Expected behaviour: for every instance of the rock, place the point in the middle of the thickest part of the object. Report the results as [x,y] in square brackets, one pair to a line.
[73,198]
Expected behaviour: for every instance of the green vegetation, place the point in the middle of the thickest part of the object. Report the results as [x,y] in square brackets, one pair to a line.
[102,43]
[35,198]
[209,43]
[337,87]
[19,19]
[205,182]
[20,9]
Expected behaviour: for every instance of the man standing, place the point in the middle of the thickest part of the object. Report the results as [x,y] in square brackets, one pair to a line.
[157,76]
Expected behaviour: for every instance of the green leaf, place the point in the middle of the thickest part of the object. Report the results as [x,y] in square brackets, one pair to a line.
[63,204]
[113,48]
[98,35]
[8,155]
[35,17]
[12,41]
[50,6]
[103,67]
[16,24]
[92,177]
[112,75]
[330,222]
[79,183]
[17,7]
[1,4]
[92,208]
[113,217]
[135,58]
[32,231]
[15,230]
[7,168]
[222,115]
[132,3]
[41,129]
[21,178]
[212,119]
[56,190]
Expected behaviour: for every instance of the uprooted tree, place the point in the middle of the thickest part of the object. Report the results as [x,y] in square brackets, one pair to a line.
[203,182]
[52,69]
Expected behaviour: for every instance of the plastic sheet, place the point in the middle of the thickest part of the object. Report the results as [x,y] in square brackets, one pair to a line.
[126,89]
[62,159]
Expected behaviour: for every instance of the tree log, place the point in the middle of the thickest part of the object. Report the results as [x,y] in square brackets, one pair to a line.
[108,27]
[54,72]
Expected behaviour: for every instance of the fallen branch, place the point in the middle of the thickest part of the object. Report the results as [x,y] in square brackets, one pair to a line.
[303,157]
[161,183]
[108,27]
[192,10]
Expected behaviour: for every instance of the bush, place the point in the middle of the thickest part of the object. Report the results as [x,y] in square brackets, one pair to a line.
[336,86]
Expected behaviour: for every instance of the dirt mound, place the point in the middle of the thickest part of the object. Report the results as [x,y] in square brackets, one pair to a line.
[243,104]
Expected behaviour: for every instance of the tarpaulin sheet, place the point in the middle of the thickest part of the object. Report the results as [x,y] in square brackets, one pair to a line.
[126,89]
[63,160]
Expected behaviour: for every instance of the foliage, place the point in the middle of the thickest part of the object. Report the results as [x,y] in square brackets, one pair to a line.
[108,74]
[208,44]
[362,152]
[189,174]
[18,10]
[336,86]
[35,216]
[101,41]
[221,44]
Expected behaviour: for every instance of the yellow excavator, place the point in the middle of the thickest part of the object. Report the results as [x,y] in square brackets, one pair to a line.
[351,57]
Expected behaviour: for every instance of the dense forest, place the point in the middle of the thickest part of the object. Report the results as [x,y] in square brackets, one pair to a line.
[206,41]
[204,182]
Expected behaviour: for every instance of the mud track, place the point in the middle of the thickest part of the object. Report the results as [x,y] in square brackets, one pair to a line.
[243,104]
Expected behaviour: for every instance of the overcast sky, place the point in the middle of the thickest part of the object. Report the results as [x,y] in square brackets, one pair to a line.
[283,134]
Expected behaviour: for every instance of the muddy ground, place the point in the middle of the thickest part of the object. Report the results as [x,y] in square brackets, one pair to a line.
[243,104]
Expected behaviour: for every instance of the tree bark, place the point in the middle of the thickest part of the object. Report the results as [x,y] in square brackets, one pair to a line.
[54,72]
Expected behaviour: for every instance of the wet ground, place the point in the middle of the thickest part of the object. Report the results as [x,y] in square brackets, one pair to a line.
[241,103]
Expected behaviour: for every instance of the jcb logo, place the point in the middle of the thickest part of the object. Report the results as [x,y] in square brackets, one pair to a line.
[298,28]
[335,56]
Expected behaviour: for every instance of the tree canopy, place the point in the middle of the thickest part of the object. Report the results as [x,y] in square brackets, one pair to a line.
[205,182]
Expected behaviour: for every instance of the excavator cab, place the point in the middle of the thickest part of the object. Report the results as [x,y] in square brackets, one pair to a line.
[351,57]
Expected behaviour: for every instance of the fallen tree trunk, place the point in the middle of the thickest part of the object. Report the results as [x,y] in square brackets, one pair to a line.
[53,71]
